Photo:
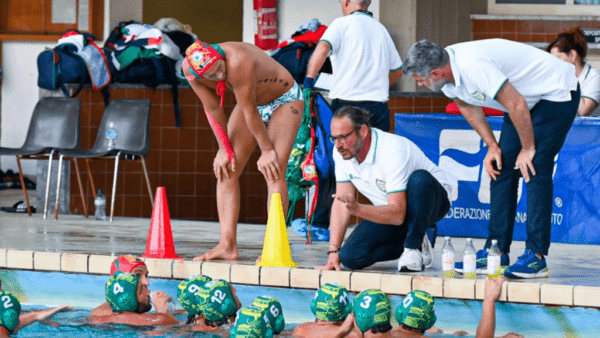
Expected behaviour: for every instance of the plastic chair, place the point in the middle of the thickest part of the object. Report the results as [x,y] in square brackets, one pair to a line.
[128,121]
[54,127]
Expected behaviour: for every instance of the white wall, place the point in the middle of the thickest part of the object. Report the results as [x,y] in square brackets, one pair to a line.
[292,13]
[20,93]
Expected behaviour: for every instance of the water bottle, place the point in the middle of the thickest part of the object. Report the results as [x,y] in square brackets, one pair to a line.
[111,135]
[447,259]
[493,261]
[469,260]
[100,204]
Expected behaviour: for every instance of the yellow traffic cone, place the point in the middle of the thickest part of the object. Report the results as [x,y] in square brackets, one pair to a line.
[276,249]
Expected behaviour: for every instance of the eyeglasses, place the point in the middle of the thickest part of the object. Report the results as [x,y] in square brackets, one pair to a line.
[341,138]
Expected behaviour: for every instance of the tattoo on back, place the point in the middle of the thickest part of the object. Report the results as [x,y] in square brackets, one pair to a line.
[295,111]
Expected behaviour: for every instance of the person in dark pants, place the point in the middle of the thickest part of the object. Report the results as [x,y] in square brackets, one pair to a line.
[540,95]
[365,63]
[409,193]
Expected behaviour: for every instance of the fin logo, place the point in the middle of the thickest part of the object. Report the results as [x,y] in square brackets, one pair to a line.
[461,157]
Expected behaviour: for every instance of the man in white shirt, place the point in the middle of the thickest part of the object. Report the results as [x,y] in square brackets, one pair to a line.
[365,64]
[409,193]
[540,95]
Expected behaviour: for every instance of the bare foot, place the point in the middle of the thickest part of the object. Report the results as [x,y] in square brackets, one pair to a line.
[219,252]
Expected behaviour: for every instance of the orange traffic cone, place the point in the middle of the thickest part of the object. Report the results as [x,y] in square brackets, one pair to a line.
[276,249]
[160,238]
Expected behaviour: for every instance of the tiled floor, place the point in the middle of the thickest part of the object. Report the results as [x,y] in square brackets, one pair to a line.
[572,266]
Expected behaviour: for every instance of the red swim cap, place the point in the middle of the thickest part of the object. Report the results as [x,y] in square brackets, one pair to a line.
[200,56]
[125,264]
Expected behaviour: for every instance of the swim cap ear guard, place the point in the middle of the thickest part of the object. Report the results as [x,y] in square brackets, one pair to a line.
[217,300]
[10,308]
[331,303]
[371,308]
[121,292]
[187,293]
[417,310]
[271,307]
[125,263]
[251,323]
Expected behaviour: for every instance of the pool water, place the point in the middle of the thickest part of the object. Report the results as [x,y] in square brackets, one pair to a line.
[84,292]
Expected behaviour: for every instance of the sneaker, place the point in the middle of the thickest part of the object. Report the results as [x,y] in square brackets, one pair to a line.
[410,261]
[481,265]
[427,252]
[317,234]
[528,266]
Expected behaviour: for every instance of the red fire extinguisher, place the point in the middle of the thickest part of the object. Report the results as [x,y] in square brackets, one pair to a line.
[266,24]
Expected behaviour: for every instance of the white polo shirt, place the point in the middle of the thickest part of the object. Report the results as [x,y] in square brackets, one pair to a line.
[362,56]
[389,163]
[589,79]
[481,68]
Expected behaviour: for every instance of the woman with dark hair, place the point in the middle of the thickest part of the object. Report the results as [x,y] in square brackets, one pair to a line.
[570,46]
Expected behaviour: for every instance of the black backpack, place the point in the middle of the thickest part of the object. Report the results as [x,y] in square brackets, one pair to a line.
[295,57]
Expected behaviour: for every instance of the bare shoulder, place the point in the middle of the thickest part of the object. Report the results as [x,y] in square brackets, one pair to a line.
[102,310]
[136,319]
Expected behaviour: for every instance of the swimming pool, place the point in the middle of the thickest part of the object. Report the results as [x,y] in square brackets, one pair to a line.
[84,292]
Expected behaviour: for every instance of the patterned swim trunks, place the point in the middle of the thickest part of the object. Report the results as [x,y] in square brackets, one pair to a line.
[291,95]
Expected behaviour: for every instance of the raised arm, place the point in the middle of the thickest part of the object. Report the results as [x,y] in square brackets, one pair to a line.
[487,324]
[317,59]
[392,213]
[42,316]
[340,219]
[521,118]
[476,118]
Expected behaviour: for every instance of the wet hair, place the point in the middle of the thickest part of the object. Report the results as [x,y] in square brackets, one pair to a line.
[410,328]
[423,57]
[222,321]
[358,116]
[569,40]
[381,328]
[190,319]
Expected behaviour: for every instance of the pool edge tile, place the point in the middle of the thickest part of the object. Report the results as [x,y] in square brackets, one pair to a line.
[100,264]
[459,288]
[20,259]
[556,294]
[74,262]
[275,276]
[523,292]
[360,281]
[305,278]
[245,274]
[216,270]
[159,267]
[433,285]
[48,261]
[396,284]
[183,269]
[586,296]
[333,276]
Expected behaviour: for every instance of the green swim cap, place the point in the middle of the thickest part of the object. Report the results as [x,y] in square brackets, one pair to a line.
[371,308]
[251,323]
[10,308]
[417,310]
[217,301]
[272,308]
[121,292]
[331,303]
[187,293]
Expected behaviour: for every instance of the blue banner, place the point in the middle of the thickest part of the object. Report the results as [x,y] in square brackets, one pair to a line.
[457,149]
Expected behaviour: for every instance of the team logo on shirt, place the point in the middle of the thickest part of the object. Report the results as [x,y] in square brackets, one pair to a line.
[381,185]
[479,95]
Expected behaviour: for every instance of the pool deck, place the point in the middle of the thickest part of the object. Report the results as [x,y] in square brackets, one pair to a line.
[79,245]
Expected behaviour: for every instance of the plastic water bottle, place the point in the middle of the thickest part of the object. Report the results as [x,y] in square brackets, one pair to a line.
[447,259]
[469,260]
[100,204]
[111,135]
[493,261]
